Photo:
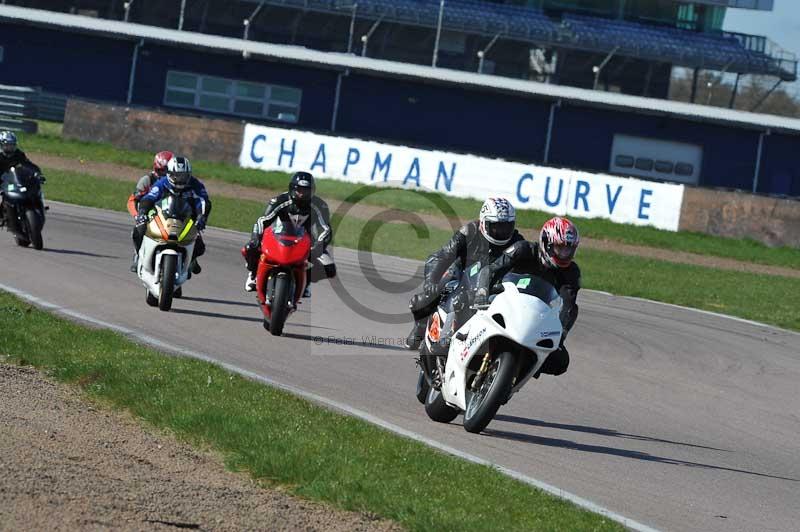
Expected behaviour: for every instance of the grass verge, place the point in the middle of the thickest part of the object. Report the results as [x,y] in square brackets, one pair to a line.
[757,297]
[740,249]
[281,439]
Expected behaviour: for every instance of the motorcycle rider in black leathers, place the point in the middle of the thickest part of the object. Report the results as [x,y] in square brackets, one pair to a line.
[551,258]
[11,156]
[299,206]
[478,242]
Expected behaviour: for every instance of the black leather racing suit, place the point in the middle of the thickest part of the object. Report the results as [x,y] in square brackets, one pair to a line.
[18,157]
[6,163]
[467,246]
[523,257]
[314,219]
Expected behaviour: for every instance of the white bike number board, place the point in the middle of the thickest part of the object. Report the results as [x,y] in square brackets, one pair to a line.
[527,186]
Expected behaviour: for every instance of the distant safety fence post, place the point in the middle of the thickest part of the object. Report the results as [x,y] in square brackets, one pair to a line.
[438,34]
[127,5]
[365,38]
[598,69]
[180,18]
[482,53]
[352,28]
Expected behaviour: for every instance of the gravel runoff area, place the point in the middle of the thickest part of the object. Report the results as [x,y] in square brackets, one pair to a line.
[68,465]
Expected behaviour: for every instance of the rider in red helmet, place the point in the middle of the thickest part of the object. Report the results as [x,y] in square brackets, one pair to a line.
[146,181]
[552,259]
[160,161]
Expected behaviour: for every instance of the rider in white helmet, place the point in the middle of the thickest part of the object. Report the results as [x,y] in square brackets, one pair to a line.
[478,242]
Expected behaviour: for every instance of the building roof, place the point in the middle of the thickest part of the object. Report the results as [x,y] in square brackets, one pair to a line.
[340,61]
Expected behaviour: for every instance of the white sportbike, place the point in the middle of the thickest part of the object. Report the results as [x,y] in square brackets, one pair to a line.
[479,367]
[166,253]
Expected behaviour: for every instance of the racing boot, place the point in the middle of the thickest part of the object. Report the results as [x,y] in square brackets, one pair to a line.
[415,337]
[307,290]
[250,282]
[196,267]
[135,263]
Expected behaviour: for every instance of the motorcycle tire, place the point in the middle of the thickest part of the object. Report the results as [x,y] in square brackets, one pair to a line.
[169,264]
[422,387]
[34,228]
[437,409]
[280,304]
[477,419]
[151,300]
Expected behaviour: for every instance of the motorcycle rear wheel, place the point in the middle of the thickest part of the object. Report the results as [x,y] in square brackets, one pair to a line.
[34,228]
[483,404]
[280,304]
[437,409]
[169,263]
[150,298]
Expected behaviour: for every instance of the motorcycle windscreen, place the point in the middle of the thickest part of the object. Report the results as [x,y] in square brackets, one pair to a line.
[533,286]
[176,207]
[285,243]
[19,182]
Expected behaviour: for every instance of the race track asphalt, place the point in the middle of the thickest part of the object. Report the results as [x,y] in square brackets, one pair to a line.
[677,419]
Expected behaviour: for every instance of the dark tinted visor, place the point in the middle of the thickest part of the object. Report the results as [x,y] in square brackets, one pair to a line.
[499,230]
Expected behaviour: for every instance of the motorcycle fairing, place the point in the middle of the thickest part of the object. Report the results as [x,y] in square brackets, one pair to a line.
[520,320]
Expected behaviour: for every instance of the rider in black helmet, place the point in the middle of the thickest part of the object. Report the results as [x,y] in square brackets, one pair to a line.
[301,207]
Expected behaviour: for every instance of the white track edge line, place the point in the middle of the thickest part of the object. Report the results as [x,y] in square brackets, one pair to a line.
[352,411]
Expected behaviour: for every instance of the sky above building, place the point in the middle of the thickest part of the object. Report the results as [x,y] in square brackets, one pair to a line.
[782,25]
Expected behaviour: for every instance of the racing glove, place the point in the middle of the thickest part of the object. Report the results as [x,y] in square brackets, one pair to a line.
[201,223]
[481,297]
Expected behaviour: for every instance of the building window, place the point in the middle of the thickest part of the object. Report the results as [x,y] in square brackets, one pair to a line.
[229,96]
[624,161]
[644,164]
[664,167]
[684,169]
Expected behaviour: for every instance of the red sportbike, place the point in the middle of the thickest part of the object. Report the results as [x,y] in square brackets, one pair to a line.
[281,275]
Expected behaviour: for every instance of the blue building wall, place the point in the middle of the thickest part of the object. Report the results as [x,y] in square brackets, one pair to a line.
[449,117]
[443,116]
[72,64]
[583,136]
[319,86]
[780,166]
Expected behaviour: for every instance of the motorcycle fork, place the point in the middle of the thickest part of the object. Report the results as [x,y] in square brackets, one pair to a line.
[299,282]
[262,275]
[477,380]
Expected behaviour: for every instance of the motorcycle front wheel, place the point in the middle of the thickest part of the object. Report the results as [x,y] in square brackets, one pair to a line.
[34,228]
[280,304]
[483,404]
[169,264]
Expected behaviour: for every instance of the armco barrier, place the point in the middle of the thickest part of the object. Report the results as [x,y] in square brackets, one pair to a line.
[774,221]
[560,191]
[132,128]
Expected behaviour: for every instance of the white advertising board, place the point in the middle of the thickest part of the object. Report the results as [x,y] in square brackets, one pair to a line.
[527,186]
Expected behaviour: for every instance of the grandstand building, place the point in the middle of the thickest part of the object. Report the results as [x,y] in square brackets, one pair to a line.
[627,46]
[289,66]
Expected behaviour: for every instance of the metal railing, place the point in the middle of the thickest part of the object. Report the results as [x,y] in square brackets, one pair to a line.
[20,106]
